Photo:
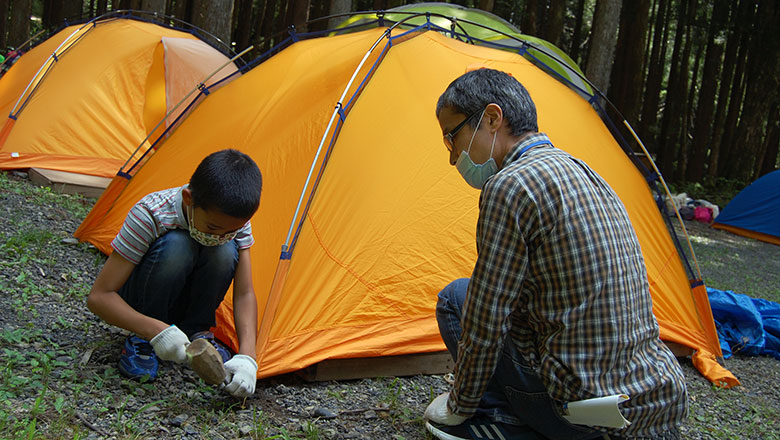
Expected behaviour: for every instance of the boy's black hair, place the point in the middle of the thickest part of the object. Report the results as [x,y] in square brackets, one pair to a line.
[227,181]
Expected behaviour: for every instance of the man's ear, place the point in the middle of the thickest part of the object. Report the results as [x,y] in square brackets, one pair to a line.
[494,116]
[186,196]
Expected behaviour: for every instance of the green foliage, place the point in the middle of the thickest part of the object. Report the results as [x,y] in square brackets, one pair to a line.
[76,205]
[718,191]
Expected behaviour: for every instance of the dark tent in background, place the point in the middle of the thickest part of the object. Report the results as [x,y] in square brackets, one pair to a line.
[755,211]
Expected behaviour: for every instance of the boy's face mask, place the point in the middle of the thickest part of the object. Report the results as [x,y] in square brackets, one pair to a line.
[204,238]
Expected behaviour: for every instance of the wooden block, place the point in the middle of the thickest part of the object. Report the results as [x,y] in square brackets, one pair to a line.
[69,183]
[679,350]
[386,366]
[206,361]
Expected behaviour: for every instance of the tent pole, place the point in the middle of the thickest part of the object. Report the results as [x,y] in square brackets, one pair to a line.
[668,194]
[336,110]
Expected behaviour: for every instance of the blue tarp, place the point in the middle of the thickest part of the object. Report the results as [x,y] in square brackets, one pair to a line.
[748,326]
[757,207]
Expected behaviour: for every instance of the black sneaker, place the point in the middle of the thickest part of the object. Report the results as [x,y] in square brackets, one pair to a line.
[480,428]
[221,349]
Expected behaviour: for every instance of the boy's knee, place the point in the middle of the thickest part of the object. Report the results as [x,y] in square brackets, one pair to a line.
[174,251]
[225,255]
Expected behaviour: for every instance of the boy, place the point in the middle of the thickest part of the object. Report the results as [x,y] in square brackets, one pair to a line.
[173,261]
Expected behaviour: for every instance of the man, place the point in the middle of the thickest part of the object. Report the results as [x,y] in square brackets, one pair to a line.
[558,307]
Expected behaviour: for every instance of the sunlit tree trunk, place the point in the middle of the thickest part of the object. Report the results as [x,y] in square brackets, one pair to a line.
[603,36]
[214,16]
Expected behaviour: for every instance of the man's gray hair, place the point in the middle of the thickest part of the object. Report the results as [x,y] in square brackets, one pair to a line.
[474,90]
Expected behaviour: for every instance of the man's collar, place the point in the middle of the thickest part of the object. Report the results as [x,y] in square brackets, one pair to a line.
[514,152]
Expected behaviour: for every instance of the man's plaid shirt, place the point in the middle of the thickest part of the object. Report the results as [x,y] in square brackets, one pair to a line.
[560,269]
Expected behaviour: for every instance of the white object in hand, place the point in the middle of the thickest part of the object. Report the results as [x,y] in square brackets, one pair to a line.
[170,344]
[241,375]
[600,411]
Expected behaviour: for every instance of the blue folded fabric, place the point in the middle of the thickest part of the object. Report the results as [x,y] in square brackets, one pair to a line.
[748,326]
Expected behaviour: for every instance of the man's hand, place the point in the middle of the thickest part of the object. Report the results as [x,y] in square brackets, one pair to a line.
[438,412]
[170,344]
[241,375]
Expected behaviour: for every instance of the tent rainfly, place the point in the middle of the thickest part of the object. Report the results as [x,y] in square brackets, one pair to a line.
[755,211]
[84,99]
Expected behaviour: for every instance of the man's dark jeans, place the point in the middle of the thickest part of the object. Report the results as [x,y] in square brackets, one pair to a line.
[515,394]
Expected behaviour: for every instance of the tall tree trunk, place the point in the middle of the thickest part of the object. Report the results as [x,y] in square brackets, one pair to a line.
[769,162]
[181,9]
[72,10]
[19,29]
[300,14]
[486,5]
[554,27]
[602,43]
[762,75]
[670,123]
[265,27]
[685,126]
[338,7]
[215,17]
[101,8]
[153,6]
[4,10]
[530,17]
[728,151]
[627,74]
[243,29]
[576,39]
[655,73]
[727,77]
[709,82]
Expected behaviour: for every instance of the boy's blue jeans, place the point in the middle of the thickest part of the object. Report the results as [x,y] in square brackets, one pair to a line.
[515,394]
[181,282]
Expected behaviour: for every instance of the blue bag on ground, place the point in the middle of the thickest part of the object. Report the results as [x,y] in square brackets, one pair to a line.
[748,326]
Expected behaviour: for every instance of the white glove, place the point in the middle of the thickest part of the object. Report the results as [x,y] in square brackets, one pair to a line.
[438,412]
[241,375]
[170,344]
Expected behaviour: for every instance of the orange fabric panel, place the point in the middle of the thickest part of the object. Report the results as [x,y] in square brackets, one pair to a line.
[391,222]
[705,362]
[91,103]
[155,103]
[187,63]
[94,166]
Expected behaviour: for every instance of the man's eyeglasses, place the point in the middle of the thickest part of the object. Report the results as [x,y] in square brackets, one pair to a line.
[449,137]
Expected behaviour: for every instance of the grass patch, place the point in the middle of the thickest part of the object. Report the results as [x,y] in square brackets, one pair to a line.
[77,205]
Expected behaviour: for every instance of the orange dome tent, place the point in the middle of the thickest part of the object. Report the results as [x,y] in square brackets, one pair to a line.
[355,238]
[83,100]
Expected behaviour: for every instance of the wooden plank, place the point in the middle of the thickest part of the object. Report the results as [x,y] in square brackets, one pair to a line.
[69,183]
[679,350]
[405,365]
[386,366]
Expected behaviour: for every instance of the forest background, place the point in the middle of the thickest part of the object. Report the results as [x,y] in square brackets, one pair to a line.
[699,79]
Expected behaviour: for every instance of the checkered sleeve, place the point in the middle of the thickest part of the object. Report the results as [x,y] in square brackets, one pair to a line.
[493,292]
